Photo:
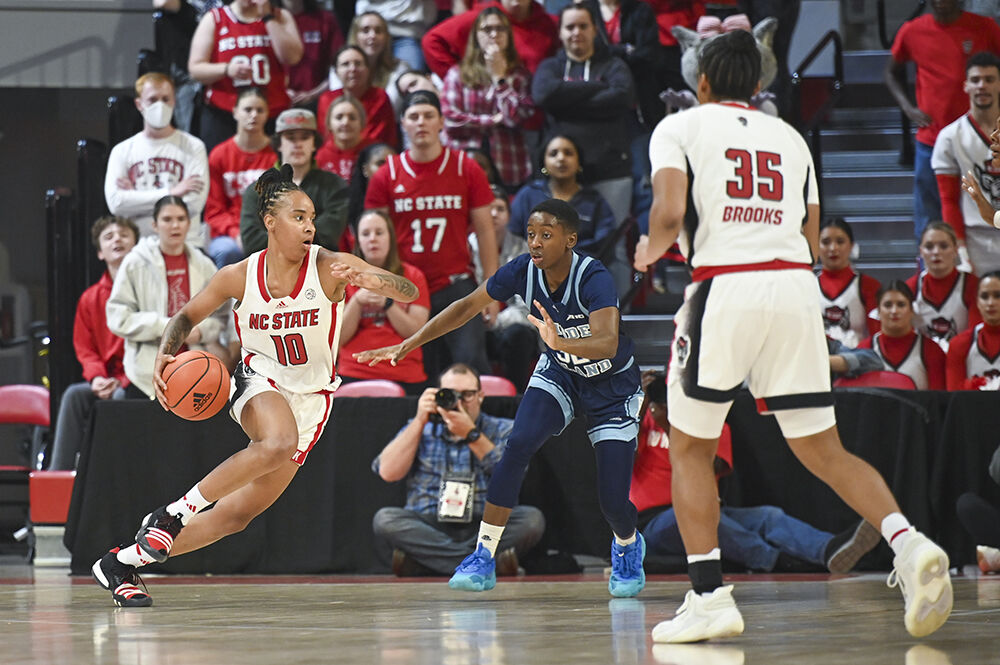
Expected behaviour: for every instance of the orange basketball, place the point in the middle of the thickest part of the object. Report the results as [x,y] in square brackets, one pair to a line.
[197,385]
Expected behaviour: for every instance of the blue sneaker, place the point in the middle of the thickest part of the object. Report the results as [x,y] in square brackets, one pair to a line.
[627,576]
[476,573]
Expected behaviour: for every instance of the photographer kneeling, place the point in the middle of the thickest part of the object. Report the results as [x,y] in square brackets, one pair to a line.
[447,453]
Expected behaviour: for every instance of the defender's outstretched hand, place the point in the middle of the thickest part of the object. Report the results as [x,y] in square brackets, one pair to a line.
[374,356]
[546,327]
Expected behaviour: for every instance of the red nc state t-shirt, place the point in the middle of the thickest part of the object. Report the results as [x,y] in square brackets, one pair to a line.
[430,204]
[375,331]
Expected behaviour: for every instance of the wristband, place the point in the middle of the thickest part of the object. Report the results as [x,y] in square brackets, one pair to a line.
[388,303]
[266,17]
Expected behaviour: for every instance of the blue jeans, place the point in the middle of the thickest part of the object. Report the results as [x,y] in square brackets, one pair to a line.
[752,537]
[926,199]
[442,546]
[408,50]
[224,250]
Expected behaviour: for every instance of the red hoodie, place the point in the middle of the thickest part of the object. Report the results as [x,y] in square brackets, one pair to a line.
[535,38]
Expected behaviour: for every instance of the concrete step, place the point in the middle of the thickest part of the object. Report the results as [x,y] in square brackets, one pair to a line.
[863,161]
[844,205]
[856,117]
[867,182]
[860,139]
[865,67]
[652,334]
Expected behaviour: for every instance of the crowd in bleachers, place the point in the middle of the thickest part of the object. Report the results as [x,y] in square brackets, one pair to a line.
[526,105]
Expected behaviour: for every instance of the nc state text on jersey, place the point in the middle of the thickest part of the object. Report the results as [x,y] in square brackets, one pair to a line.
[244,41]
[440,202]
[284,320]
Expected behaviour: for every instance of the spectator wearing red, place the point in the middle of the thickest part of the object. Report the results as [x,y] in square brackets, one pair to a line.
[233,166]
[901,348]
[487,98]
[345,123]
[535,35]
[370,32]
[846,297]
[371,321]
[99,351]
[246,43]
[944,296]
[355,75]
[435,196]
[974,355]
[939,44]
[321,39]
[668,14]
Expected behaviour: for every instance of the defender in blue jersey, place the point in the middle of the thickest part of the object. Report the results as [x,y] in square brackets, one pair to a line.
[587,370]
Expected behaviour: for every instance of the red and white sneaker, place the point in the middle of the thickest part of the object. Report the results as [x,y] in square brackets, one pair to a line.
[121,580]
[157,533]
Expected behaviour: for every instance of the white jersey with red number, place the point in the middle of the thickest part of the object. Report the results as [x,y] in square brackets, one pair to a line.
[248,44]
[430,204]
[292,340]
[961,147]
[750,178]
[912,364]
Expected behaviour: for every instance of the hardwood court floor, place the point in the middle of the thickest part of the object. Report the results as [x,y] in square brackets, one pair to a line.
[48,618]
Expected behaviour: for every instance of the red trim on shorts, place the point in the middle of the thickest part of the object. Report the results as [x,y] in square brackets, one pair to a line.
[261,281]
[299,456]
[303,269]
[236,324]
[246,359]
[707,272]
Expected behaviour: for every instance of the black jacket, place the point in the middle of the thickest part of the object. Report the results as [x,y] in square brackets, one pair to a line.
[595,107]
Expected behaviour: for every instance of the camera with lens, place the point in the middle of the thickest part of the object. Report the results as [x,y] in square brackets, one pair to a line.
[447,399]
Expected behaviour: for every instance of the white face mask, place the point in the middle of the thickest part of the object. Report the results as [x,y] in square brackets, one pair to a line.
[158,115]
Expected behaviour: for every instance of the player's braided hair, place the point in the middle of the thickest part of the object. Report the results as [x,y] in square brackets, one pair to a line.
[731,62]
[270,186]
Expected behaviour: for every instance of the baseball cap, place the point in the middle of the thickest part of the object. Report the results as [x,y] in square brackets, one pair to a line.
[421,97]
[295,119]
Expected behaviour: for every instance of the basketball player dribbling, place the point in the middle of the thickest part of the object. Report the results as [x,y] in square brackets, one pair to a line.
[289,297]
[752,312]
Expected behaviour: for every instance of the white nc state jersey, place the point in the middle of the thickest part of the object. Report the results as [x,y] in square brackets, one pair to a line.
[961,147]
[750,178]
[912,365]
[844,315]
[292,340]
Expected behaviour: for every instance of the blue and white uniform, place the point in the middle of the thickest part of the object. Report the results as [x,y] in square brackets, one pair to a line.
[606,391]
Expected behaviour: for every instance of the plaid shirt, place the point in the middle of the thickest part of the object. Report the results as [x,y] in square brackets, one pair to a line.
[468,120]
[437,454]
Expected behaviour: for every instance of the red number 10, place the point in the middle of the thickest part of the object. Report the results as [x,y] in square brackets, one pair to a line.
[770,185]
[290,349]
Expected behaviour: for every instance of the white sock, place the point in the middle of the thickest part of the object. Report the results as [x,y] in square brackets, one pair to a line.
[714,555]
[896,529]
[133,555]
[189,505]
[489,537]
[622,542]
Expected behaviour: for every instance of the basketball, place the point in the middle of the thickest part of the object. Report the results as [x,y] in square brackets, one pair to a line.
[197,385]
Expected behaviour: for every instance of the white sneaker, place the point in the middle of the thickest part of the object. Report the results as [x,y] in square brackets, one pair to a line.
[702,618]
[921,573]
[988,558]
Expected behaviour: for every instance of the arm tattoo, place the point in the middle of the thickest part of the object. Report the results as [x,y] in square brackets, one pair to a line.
[177,330]
[404,288]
